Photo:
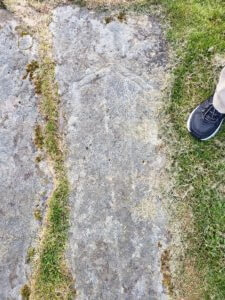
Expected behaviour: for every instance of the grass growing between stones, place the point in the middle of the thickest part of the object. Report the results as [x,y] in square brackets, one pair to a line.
[198,35]
[52,279]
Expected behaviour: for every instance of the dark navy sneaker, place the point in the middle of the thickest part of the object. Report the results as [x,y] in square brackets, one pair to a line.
[205,121]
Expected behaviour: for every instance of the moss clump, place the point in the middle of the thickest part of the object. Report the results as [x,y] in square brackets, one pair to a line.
[32,72]
[122,16]
[166,272]
[108,19]
[2,5]
[30,254]
[31,69]
[39,138]
[37,85]
[38,159]
[25,292]
[38,214]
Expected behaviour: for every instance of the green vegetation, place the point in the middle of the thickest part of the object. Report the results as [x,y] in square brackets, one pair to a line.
[38,214]
[25,292]
[108,19]
[52,279]
[166,272]
[121,16]
[198,35]
[38,159]
[30,254]
[31,67]
[39,139]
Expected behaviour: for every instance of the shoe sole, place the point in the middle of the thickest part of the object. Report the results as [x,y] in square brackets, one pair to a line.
[212,135]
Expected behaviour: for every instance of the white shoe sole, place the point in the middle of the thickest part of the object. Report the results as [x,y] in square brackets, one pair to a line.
[212,135]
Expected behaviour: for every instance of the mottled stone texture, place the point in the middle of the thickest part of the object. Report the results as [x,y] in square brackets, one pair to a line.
[22,182]
[111,74]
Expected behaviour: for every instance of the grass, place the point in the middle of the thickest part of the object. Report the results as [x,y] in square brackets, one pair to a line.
[30,254]
[198,34]
[52,279]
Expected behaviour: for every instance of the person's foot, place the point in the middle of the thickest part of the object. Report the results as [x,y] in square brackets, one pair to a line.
[205,121]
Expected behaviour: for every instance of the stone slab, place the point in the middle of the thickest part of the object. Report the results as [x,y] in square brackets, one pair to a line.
[111,71]
[23,183]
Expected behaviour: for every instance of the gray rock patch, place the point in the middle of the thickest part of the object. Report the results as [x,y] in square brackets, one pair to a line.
[25,42]
[23,183]
[110,79]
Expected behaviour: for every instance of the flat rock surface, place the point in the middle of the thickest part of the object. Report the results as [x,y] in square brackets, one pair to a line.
[22,182]
[111,71]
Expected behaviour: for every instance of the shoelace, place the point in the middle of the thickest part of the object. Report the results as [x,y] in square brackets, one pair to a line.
[210,113]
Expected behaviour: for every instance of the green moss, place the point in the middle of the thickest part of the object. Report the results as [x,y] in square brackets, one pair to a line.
[30,254]
[108,19]
[32,72]
[25,292]
[31,69]
[166,272]
[39,138]
[38,214]
[122,16]
[39,158]
[37,85]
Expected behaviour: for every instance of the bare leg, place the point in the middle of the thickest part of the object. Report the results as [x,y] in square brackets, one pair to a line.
[219,97]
